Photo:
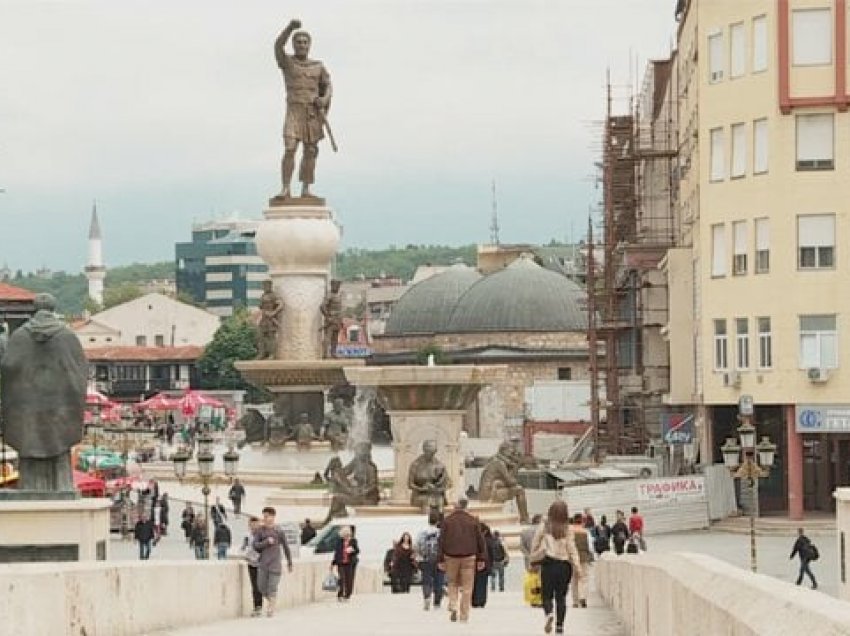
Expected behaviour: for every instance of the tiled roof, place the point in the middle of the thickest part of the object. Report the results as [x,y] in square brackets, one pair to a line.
[10,292]
[144,354]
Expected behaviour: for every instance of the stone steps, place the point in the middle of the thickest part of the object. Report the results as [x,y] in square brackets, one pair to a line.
[776,526]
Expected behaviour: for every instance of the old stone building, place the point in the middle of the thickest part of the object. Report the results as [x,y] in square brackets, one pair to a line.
[524,316]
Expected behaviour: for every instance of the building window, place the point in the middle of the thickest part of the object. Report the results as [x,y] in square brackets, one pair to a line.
[759,44]
[742,343]
[739,244]
[818,342]
[718,250]
[762,246]
[721,346]
[816,241]
[715,57]
[565,373]
[811,38]
[739,150]
[159,340]
[765,343]
[815,147]
[718,156]
[141,341]
[760,146]
[354,334]
[737,50]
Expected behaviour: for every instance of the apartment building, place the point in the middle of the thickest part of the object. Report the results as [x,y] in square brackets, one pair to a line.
[756,282]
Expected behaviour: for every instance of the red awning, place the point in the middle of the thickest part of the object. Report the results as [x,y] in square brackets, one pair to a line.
[192,402]
[88,485]
[160,402]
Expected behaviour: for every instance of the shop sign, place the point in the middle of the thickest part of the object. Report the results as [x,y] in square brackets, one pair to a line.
[671,488]
[677,428]
[823,419]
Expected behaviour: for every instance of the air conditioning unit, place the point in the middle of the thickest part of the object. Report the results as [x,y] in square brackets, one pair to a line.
[732,378]
[818,374]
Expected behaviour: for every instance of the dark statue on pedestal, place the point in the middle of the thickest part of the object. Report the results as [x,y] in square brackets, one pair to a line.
[331,320]
[355,484]
[43,396]
[499,480]
[336,425]
[271,308]
[428,480]
[308,98]
[304,432]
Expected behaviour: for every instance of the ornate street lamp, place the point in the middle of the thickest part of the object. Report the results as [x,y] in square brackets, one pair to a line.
[231,463]
[755,464]
[180,459]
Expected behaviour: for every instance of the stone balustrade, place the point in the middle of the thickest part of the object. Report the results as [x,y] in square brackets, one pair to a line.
[694,594]
[128,598]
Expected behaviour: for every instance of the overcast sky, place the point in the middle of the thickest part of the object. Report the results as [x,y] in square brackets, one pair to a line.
[169,112]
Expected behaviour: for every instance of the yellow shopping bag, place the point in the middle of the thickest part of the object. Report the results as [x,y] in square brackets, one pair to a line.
[531,588]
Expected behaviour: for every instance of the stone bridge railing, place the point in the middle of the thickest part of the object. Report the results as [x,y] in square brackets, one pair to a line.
[129,598]
[697,595]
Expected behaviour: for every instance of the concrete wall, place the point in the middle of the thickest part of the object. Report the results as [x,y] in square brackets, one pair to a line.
[137,598]
[694,594]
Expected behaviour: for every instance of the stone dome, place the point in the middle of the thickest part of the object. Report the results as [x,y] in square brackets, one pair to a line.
[521,297]
[427,305]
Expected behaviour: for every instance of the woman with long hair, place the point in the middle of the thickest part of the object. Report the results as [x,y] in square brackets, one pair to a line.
[554,550]
[403,564]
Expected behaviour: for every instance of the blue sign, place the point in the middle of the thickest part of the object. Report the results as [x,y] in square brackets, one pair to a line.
[823,419]
[677,428]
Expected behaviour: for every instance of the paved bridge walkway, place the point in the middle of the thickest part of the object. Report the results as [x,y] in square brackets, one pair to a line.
[394,614]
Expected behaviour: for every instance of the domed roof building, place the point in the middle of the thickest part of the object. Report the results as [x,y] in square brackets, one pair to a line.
[523,315]
[427,306]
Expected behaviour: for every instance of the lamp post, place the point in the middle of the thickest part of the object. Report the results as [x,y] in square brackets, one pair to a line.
[755,465]
[206,461]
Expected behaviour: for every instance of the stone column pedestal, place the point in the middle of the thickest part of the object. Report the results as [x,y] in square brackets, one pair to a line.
[298,243]
[410,429]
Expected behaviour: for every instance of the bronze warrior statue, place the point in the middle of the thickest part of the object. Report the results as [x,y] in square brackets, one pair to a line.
[308,97]
[499,480]
[271,308]
[331,320]
[428,479]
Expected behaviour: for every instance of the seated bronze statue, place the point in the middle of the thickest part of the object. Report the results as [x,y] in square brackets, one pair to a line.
[428,480]
[355,484]
[499,480]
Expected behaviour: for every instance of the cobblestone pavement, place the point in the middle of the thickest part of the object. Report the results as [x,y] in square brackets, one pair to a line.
[393,614]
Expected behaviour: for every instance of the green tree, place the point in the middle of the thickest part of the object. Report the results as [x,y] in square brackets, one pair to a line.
[119,294]
[235,339]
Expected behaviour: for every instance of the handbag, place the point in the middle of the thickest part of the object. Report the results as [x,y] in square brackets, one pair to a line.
[536,557]
[331,583]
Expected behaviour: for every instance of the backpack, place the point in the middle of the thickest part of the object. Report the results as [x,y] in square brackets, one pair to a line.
[814,553]
[429,545]
[498,551]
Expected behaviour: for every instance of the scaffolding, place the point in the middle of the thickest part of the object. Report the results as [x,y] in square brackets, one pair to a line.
[627,299]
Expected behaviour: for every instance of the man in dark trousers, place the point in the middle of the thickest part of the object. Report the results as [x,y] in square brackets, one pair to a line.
[805,550]
[143,532]
[307,532]
[462,552]
[236,495]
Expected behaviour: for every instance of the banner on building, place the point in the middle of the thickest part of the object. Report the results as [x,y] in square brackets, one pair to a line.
[833,418]
[677,428]
[671,488]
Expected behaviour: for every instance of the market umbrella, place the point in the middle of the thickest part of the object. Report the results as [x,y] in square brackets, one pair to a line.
[89,485]
[159,402]
[192,401]
[96,398]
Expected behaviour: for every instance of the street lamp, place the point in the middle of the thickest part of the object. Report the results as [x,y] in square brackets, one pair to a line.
[206,461]
[757,462]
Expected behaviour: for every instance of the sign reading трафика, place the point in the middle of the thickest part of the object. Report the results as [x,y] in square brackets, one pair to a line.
[820,418]
[671,488]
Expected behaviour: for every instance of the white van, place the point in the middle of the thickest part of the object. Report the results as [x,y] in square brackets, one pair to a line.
[375,535]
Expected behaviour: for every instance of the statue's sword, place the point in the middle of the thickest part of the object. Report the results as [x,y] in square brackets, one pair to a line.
[327,128]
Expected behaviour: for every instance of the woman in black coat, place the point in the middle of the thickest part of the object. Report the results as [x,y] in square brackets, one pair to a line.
[620,533]
[479,589]
[403,564]
[345,558]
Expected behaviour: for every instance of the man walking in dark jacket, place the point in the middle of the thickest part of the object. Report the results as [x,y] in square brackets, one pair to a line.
[805,550]
[143,532]
[462,551]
